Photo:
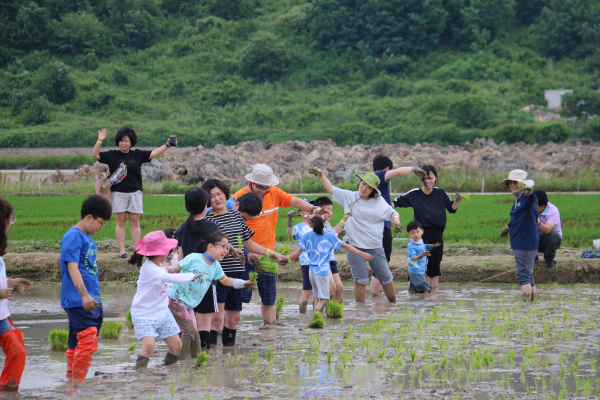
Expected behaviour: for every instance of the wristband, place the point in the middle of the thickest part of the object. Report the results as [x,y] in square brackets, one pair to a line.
[342,222]
[268,251]
[99,142]
[239,283]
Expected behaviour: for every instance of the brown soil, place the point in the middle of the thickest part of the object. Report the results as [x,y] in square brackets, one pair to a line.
[459,265]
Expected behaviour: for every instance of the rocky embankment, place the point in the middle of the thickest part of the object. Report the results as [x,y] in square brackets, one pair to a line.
[289,160]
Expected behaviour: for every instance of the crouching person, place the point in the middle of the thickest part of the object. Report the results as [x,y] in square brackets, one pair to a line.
[549,229]
[80,292]
[150,311]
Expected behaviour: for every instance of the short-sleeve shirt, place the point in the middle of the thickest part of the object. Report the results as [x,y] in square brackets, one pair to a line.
[192,293]
[416,249]
[523,223]
[4,312]
[551,214]
[264,225]
[78,247]
[318,248]
[364,228]
[429,209]
[384,188]
[188,241]
[134,160]
[299,231]
[330,229]
[233,226]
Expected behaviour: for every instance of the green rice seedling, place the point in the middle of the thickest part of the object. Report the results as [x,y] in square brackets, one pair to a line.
[335,309]
[59,339]
[284,250]
[488,359]
[111,329]
[202,358]
[240,242]
[253,357]
[329,358]
[317,321]
[413,354]
[253,276]
[279,304]
[129,319]
[132,347]
[444,362]
[370,359]
[457,359]
[267,265]
[380,354]
[424,356]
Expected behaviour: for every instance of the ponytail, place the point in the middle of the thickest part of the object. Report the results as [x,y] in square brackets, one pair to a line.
[212,238]
[6,213]
[318,225]
[136,259]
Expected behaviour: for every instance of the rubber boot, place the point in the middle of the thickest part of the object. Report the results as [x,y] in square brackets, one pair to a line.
[204,339]
[170,359]
[141,362]
[185,347]
[70,353]
[195,345]
[14,348]
[214,335]
[228,336]
[87,344]
[303,307]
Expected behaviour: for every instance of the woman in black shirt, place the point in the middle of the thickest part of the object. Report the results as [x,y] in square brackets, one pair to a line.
[127,195]
[430,204]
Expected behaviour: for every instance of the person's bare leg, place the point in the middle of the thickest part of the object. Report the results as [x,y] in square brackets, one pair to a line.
[320,304]
[232,318]
[375,287]
[217,318]
[360,292]
[204,321]
[390,292]
[339,288]
[526,290]
[121,219]
[303,302]
[433,282]
[134,228]
[268,314]
[174,344]
[148,346]
[331,286]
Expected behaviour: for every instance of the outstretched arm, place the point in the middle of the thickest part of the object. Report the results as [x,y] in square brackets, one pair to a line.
[326,184]
[159,150]
[354,250]
[256,248]
[391,174]
[98,145]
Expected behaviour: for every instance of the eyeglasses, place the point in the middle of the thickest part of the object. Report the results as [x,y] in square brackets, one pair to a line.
[260,187]
[13,220]
[222,245]
[101,223]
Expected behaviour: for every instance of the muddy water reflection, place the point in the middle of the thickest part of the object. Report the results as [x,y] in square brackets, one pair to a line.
[294,371]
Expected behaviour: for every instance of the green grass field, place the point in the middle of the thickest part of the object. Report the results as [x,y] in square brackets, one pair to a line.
[477,221]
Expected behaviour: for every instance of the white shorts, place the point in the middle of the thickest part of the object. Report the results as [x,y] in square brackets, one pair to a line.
[159,329]
[128,202]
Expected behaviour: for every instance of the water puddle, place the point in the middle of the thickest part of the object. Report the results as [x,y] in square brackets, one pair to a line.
[476,342]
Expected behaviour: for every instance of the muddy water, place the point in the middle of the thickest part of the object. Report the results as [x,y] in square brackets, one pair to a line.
[296,361]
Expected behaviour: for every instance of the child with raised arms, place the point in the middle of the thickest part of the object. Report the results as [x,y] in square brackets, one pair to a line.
[318,245]
[417,253]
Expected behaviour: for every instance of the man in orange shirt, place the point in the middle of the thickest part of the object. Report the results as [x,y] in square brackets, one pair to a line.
[262,181]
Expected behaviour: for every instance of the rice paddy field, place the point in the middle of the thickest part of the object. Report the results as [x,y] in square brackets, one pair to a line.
[479,220]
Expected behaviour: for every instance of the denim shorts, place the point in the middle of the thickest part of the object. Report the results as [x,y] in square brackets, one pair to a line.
[525,259]
[159,329]
[419,282]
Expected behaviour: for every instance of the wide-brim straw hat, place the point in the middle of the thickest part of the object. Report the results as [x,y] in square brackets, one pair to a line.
[518,175]
[155,244]
[370,179]
[262,174]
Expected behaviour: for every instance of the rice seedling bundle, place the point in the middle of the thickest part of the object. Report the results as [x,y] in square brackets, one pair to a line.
[267,265]
[279,304]
[129,319]
[317,321]
[111,329]
[284,250]
[132,347]
[59,339]
[335,309]
[202,358]
[253,276]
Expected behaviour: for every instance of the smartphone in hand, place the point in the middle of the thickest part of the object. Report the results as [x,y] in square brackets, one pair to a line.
[173,140]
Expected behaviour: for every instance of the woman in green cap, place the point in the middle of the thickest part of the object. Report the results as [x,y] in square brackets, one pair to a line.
[364,230]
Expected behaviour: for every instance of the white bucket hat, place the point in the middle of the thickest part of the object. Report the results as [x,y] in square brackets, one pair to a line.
[518,175]
[262,174]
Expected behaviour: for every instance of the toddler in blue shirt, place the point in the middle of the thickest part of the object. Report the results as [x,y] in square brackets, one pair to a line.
[417,253]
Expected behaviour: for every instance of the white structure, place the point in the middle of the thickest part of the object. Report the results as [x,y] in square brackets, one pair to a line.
[554,97]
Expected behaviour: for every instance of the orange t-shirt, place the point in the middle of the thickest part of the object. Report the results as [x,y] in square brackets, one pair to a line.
[264,225]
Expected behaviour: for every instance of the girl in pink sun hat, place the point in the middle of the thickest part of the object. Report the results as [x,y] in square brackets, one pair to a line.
[150,310]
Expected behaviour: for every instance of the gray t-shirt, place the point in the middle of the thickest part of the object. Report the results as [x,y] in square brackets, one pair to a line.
[365,228]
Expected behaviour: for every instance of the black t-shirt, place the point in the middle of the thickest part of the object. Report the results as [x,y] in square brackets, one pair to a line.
[134,160]
[384,188]
[188,241]
[232,224]
[430,209]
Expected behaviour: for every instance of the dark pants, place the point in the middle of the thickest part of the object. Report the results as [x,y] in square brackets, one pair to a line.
[549,243]
[387,243]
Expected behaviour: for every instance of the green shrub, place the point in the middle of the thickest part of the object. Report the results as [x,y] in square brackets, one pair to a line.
[296,19]
[470,112]
[591,130]
[46,162]
[81,33]
[38,112]
[111,329]
[516,133]
[54,82]
[59,339]
[553,132]
[317,321]
[335,309]
[264,58]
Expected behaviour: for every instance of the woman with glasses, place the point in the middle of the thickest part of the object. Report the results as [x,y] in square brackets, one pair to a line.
[429,204]
[365,231]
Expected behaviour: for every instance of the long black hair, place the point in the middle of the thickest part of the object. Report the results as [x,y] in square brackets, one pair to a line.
[318,225]
[136,259]
[6,213]
[195,203]
[213,237]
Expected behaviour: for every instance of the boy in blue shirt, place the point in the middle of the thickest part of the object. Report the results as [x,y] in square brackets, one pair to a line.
[417,253]
[80,292]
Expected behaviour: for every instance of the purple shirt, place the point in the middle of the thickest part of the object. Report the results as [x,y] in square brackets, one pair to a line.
[551,214]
